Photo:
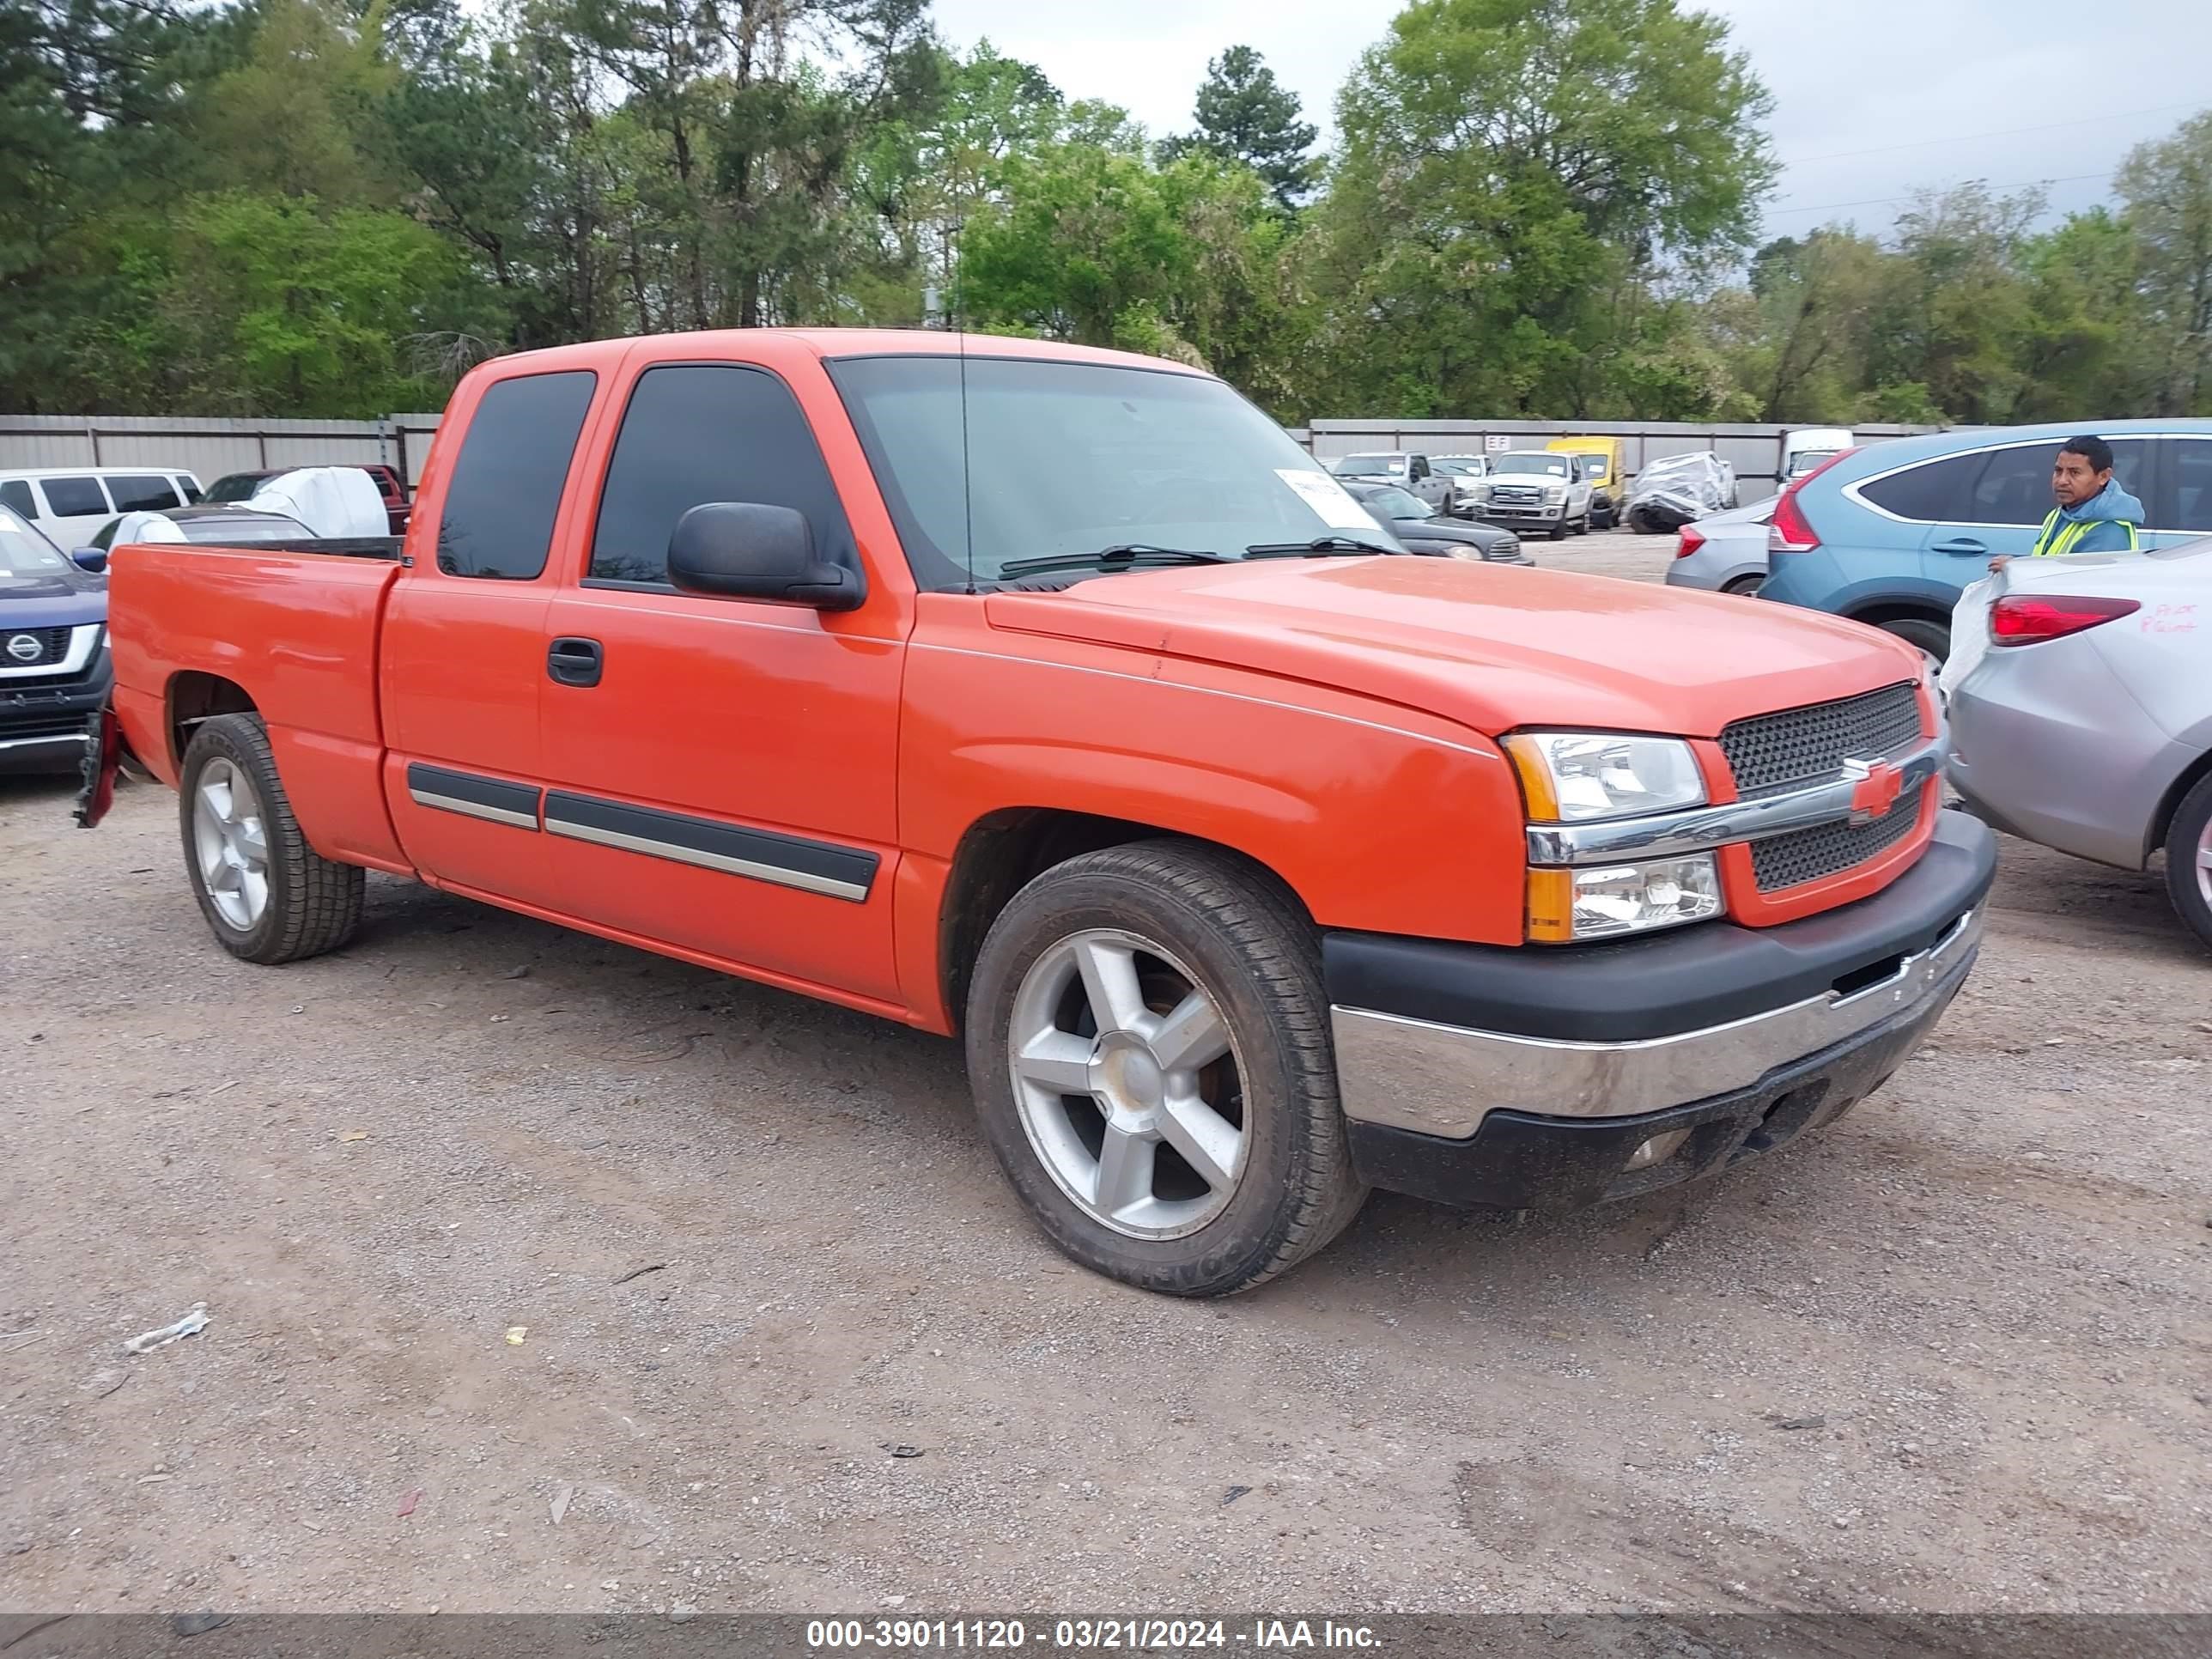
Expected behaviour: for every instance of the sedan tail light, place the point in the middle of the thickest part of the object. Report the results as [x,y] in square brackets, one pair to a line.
[1689,542]
[2031,618]
[1789,530]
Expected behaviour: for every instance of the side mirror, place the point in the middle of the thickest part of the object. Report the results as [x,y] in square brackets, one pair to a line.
[89,558]
[750,550]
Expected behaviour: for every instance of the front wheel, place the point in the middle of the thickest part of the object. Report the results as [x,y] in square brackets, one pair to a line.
[2189,859]
[1559,531]
[1148,1042]
[268,896]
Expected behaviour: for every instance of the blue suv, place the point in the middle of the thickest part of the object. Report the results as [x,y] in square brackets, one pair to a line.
[1889,534]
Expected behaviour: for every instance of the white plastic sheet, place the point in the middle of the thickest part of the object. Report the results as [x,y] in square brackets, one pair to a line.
[1970,634]
[330,500]
[1681,487]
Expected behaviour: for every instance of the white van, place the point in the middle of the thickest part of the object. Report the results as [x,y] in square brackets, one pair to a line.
[71,503]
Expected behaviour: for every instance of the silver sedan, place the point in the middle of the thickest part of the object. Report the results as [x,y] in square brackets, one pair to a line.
[1725,553]
[2083,719]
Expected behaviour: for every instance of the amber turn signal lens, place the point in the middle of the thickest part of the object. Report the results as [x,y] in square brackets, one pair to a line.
[1536,778]
[1550,906]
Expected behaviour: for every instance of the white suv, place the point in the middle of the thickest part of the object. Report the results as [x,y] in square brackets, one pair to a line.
[1545,488]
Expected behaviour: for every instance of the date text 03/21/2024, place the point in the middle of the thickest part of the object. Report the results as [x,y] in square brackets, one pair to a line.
[1139,1635]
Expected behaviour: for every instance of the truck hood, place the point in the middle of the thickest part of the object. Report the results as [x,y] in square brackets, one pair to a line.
[49,601]
[1493,649]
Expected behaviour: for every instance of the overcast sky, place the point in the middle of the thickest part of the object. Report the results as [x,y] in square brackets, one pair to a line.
[1952,79]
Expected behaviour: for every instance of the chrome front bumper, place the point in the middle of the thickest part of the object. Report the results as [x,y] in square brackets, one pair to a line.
[1444,1081]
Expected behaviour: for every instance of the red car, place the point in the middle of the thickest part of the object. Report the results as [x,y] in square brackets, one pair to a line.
[240,486]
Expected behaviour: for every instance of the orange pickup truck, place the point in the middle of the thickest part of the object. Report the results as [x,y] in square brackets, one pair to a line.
[1054,699]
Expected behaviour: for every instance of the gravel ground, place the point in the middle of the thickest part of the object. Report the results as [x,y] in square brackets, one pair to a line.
[542,1274]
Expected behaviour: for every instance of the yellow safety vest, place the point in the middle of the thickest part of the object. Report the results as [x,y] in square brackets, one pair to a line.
[2050,546]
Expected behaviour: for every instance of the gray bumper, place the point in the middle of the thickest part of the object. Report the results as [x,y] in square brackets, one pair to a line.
[1445,1079]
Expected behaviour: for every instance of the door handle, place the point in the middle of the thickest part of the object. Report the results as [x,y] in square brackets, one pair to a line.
[1959,545]
[575,662]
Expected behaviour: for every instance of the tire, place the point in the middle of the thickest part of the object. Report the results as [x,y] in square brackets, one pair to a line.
[1238,942]
[1744,584]
[1559,531]
[1934,638]
[2188,859]
[308,904]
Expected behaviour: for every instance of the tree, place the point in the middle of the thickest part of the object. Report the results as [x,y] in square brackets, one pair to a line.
[2167,188]
[1512,171]
[1244,114]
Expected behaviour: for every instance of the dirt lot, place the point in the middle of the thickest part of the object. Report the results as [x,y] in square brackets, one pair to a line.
[1957,1353]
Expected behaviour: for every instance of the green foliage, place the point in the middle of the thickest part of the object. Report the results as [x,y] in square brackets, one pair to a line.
[1244,114]
[1536,207]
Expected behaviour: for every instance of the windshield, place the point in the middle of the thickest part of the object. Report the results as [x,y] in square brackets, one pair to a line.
[1067,459]
[1806,459]
[1370,466]
[26,555]
[1557,466]
[236,487]
[1460,466]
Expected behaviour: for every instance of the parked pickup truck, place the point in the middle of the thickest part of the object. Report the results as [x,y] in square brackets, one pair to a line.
[1255,863]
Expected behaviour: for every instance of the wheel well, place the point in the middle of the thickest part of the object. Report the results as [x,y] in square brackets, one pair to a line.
[2162,822]
[195,697]
[1874,616]
[1001,854]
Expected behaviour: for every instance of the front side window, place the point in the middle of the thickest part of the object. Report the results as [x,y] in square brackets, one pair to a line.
[506,491]
[695,432]
[2192,484]
[1067,459]
[149,494]
[15,496]
[187,487]
[74,498]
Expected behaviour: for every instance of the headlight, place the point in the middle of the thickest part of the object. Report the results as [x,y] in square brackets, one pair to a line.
[1571,906]
[1573,777]
[1555,492]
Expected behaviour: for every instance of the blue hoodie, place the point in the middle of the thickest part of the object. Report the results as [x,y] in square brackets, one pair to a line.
[2104,513]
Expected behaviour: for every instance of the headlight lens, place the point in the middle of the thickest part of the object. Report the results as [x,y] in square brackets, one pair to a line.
[1572,906]
[1575,777]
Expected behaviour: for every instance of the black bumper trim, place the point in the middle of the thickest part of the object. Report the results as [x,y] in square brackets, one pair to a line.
[1701,976]
[1519,1161]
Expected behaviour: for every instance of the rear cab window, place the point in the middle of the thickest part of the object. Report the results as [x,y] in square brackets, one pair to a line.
[695,433]
[497,521]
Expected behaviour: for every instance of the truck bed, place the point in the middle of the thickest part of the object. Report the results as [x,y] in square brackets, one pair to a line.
[290,630]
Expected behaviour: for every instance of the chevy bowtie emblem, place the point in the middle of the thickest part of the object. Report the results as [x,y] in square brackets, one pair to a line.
[1876,785]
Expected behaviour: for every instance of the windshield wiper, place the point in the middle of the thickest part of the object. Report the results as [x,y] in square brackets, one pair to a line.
[1120,556]
[1319,547]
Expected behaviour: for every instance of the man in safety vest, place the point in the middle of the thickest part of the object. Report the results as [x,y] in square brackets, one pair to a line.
[2094,514]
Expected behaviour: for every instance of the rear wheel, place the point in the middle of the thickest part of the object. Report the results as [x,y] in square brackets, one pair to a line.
[2189,859]
[268,896]
[1744,584]
[1934,638]
[1148,1043]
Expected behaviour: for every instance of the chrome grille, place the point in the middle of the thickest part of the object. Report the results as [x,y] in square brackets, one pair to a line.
[1800,745]
[1803,855]
[53,645]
